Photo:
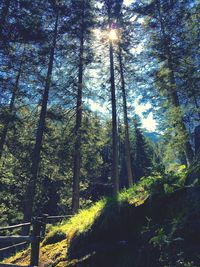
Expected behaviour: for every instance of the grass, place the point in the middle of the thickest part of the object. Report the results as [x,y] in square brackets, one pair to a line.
[54,247]
[77,224]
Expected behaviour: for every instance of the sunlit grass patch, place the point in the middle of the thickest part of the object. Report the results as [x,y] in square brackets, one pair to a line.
[76,224]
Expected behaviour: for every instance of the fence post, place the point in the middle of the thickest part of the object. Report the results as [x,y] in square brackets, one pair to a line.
[44,221]
[35,243]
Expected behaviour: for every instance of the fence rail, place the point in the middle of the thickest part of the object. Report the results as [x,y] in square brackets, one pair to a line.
[13,246]
[13,239]
[14,226]
[38,229]
[12,265]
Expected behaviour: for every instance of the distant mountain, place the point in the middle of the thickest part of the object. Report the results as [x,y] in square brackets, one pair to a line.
[153,136]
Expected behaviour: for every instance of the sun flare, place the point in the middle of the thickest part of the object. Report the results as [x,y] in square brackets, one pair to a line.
[113,35]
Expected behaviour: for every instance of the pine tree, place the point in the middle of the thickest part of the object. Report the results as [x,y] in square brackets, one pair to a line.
[4,14]
[164,49]
[82,19]
[11,107]
[127,140]
[31,190]
[122,44]
[16,47]
[113,9]
[143,152]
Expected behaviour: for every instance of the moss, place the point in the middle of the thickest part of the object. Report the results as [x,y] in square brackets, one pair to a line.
[53,254]
[22,258]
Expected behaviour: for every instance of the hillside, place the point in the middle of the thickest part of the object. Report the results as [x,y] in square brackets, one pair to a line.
[155,223]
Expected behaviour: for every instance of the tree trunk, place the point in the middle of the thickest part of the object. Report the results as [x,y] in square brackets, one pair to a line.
[31,189]
[173,95]
[115,156]
[77,146]
[11,107]
[127,139]
[197,140]
[196,102]
[4,15]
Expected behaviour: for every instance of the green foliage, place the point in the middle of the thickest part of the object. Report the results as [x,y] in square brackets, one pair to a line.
[164,183]
[160,238]
[142,151]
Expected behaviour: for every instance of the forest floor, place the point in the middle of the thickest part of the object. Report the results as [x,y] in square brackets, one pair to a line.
[154,223]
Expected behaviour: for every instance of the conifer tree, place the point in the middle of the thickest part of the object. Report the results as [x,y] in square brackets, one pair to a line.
[165,51]
[124,34]
[31,190]
[143,152]
[11,107]
[113,8]
[82,22]
[126,126]
[4,13]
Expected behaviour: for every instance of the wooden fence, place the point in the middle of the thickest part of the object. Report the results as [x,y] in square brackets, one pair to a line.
[37,234]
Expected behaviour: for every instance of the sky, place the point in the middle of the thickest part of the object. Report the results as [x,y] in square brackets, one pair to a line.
[147,122]
[128,2]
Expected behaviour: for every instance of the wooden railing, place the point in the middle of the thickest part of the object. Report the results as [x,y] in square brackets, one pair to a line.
[37,234]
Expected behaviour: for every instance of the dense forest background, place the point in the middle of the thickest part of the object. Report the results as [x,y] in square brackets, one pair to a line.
[60,58]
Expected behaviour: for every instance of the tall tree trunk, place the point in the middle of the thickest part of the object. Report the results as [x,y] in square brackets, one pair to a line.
[127,139]
[115,155]
[4,14]
[77,146]
[196,102]
[31,189]
[3,17]
[11,108]
[189,154]
[197,140]
[173,95]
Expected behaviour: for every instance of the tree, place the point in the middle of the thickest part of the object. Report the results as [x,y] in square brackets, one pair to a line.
[165,50]
[125,114]
[173,93]
[31,190]
[16,47]
[11,108]
[113,7]
[4,14]
[83,17]
[142,150]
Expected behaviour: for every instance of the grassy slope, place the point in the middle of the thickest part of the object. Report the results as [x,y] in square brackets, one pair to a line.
[54,246]
[54,252]
[107,225]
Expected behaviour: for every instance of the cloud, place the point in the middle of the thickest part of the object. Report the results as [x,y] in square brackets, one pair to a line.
[97,107]
[148,123]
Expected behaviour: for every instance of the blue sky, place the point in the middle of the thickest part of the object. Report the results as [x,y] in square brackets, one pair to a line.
[147,122]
